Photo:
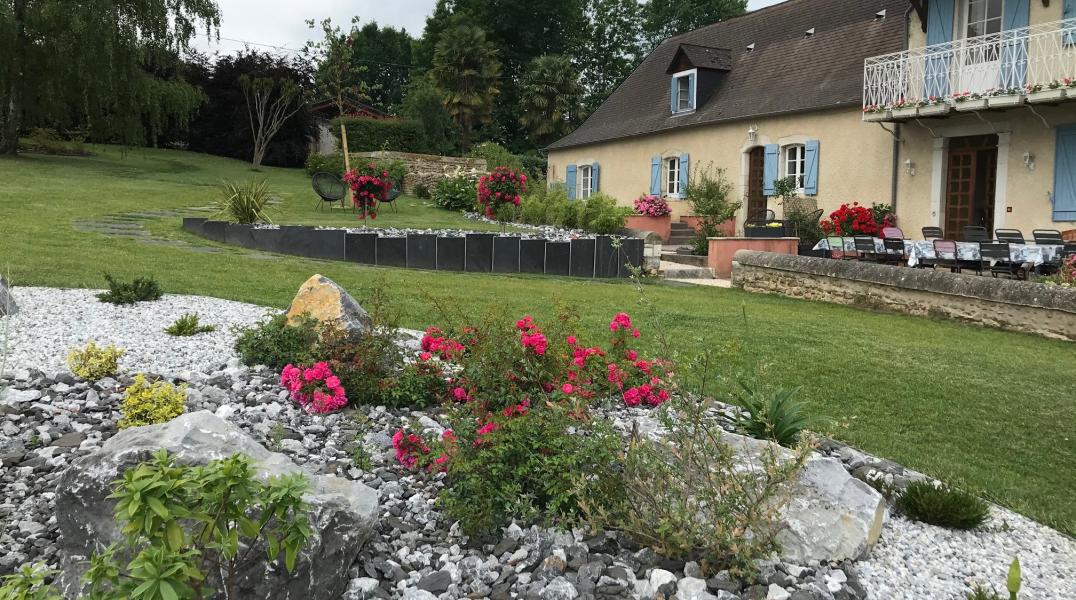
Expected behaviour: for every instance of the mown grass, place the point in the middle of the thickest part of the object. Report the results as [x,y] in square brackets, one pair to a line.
[990,410]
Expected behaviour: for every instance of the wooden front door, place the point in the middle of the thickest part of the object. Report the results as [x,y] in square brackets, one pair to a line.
[970,182]
[756,199]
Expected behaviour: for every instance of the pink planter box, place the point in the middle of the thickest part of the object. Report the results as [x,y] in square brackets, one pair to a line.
[659,225]
[723,249]
[728,228]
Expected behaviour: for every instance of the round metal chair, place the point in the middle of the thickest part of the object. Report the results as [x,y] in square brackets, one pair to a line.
[329,188]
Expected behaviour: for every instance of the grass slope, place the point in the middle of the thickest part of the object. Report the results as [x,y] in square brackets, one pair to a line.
[991,409]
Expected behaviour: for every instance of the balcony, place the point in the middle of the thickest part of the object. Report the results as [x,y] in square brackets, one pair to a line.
[1034,64]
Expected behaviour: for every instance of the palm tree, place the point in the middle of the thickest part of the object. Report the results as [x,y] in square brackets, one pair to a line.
[466,70]
[550,97]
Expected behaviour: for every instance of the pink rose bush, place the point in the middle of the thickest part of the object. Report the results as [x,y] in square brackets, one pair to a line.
[652,206]
[314,388]
[370,186]
[500,188]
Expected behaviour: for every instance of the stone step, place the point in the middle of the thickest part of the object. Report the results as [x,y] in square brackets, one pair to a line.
[684,259]
[672,270]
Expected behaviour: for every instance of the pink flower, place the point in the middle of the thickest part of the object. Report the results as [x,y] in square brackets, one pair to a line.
[567,388]
[571,340]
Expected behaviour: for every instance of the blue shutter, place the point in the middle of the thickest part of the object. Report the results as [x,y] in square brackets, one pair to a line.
[595,170]
[769,169]
[655,176]
[1014,45]
[691,90]
[685,164]
[939,31]
[1065,174]
[1068,11]
[810,177]
[674,95]
[569,179]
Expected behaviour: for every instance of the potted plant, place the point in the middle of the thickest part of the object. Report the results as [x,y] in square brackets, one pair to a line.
[967,101]
[652,214]
[1051,92]
[933,106]
[370,186]
[905,108]
[875,112]
[1005,97]
[853,219]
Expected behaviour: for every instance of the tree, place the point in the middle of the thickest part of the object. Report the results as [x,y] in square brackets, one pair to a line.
[666,18]
[268,109]
[91,64]
[550,98]
[381,61]
[613,50]
[466,71]
[336,78]
[423,103]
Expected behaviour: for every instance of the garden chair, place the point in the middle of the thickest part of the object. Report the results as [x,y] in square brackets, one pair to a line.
[976,233]
[394,193]
[329,188]
[763,216]
[836,248]
[895,252]
[1013,236]
[944,255]
[1003,263]
[933,233]
[1068,250]
[1047,237]
[892,232]
[865,249]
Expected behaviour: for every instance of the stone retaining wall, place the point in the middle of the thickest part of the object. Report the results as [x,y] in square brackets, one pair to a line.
[428,169]
[1049,311]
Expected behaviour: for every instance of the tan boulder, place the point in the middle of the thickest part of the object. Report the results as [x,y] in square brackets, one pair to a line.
[323,299]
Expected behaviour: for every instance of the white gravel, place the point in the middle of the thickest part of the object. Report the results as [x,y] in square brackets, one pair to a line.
[52,321]
[914,561]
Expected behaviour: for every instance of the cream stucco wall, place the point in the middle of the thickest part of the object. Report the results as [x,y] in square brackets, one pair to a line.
[855,161]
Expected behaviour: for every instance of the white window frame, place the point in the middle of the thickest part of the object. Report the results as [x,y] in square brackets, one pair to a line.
[670,169]
[800,162]
[694,92]
[965,18]
[585,178]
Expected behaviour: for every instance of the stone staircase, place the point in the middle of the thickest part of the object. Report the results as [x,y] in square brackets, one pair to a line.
[681,235]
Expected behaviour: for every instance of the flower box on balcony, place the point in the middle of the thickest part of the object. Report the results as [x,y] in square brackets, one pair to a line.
[906,112]
[1007,101]
[970,105]
[934,110]
[873,117]
[1046,96]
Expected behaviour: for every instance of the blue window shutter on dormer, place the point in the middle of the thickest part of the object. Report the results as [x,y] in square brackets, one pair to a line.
[810,175]
[595,172]
[939,31]
[691,90]
[655,176]
[1065,174]
[769,169]
[674,95]
[685,164]
[569,179]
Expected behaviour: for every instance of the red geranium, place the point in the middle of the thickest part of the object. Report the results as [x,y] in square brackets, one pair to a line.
[853,220]
[369,186]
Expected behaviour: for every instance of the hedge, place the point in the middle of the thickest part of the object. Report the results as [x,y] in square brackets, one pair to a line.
[368,135]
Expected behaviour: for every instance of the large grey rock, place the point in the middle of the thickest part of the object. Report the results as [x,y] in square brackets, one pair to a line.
[343,514]
[7,301]
[323,299]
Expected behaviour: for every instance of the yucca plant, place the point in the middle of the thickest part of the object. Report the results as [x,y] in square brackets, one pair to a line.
[775,415]
[244,203]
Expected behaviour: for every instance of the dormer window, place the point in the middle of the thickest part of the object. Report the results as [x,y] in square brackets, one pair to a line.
[683,91]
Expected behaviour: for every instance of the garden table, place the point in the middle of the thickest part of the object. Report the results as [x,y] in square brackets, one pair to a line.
[917,250]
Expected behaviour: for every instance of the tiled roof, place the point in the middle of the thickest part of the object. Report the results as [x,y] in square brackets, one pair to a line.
[786,71]
[705,57]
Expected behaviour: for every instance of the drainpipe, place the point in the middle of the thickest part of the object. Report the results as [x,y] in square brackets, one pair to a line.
[897,127]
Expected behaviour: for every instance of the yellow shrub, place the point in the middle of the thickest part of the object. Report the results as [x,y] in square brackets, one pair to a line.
[148,404]
[93,362]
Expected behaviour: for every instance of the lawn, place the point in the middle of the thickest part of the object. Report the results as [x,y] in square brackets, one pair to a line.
[992,409]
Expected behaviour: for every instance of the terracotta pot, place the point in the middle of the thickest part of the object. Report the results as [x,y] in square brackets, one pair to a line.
[659,225]
[727,229]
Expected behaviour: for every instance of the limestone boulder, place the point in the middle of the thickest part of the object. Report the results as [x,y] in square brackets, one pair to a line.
[7,300]
[343,514]
[323,299]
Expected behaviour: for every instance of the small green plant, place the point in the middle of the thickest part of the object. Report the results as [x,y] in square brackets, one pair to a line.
[942,505]
[274,343]
[245,204]
[188,325]
[785,188]
[142,289]
[775,415]
[147,403]
[276,436]
[708,191]
[93,362]
[981,593]
[456,193]
[191,532]
[1012,584]
[29,583]
[360,457]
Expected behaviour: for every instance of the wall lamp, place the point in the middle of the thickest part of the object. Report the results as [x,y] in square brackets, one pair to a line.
[752,134]
[1029,161]
[909,167]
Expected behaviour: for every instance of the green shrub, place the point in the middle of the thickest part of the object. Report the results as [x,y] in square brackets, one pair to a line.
[325,163]
[49,141]
[188,325]
[496,156]
[456,193]
[245,204]
[708,192]
[191,531]
[369,135]
[534,467]
[422,191]
[775,415]
[600,214]
[396,169]
[274,343]
[942,506]
[807,228]
[142,289]
[93,362]
[148,404]
[28,583]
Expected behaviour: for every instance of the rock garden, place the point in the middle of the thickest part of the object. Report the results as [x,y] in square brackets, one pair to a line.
[160,446]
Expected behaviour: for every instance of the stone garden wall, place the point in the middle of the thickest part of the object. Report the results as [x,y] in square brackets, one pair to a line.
[1014,305]
[428,169]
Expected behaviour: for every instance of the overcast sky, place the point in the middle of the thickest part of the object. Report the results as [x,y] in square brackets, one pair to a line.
[283,23]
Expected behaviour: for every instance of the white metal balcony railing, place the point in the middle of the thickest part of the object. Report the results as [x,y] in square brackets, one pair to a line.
[999,63]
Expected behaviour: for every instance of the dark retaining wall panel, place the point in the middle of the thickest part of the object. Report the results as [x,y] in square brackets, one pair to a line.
[450,253]
[506,254]
[361,248]
[480,252]
[558,257]
[422,251]
[392,251]
[532,256]
[582,260]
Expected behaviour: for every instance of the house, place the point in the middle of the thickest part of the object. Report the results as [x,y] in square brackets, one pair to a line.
[829,92]
[324,111]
